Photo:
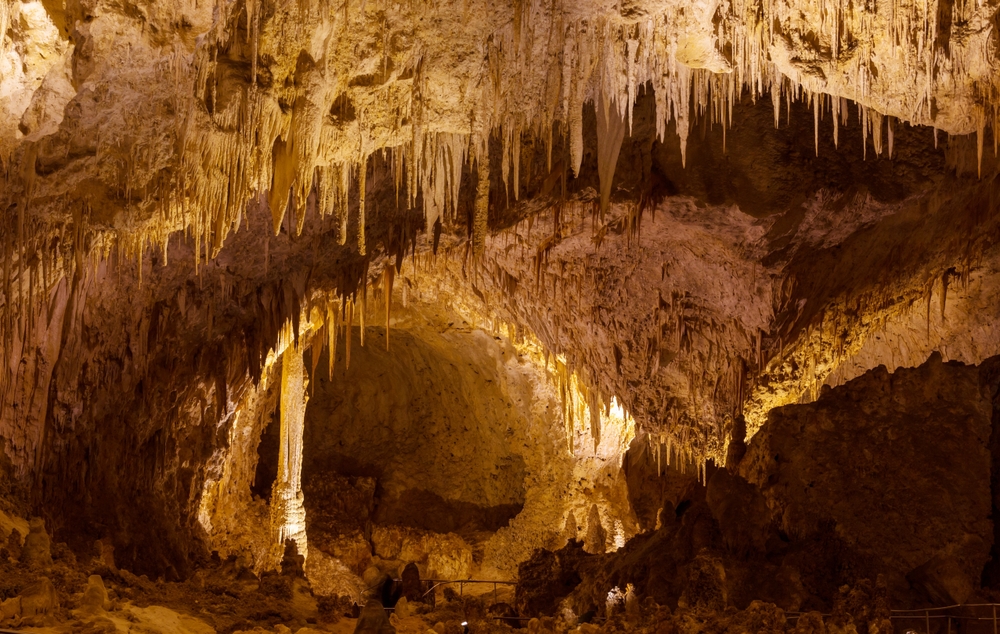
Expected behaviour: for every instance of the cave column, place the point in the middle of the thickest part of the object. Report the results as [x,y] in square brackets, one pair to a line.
[288,514]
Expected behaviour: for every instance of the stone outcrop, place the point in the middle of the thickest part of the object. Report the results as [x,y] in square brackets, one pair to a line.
[547,577]
[37,545]
[898,465]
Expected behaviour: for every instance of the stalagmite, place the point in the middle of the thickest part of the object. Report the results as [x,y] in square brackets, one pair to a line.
[288,515]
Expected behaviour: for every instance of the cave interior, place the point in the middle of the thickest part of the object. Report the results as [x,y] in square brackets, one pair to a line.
[452,316]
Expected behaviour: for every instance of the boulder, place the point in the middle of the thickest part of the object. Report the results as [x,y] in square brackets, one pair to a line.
[440,555]
[942,580]
[95,596]
[373,620]
[546,577]
[412,587]
[39,598]
[10,609]
[809,623]
[402,610]
[758,618]
[14,544]
[741,512]
[303,604]
[706,584]
[37,548]
[863,608]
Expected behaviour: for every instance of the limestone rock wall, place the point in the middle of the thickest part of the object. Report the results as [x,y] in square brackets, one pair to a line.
[897,465]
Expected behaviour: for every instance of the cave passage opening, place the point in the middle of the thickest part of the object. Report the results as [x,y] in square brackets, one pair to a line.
[446,449]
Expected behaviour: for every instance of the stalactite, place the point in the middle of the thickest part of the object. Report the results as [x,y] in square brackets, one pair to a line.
[349,309]
[944,294]
[817,101]
[481,210]
[362,187]
[891,135]
[387,278]
[610,134]
[835,106]
[361,313]
[332,324]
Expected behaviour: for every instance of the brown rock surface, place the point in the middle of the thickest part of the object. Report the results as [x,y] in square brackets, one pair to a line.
[37,549]
[546,578]
[897,464]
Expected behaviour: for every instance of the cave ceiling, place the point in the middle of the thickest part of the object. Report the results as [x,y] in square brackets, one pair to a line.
[697,209]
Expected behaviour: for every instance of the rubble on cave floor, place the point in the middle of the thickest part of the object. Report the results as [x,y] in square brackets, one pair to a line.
[45,587]
[92,596]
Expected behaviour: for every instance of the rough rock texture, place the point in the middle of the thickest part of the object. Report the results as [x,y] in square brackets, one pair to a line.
[437,556]
[186,187]
[426,429]
[897,464]
[546,578]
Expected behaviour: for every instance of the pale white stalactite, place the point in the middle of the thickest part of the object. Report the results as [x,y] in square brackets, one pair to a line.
[341,209]
[835,103]
[288,514]
[505,157]
[576,135]
[440,177]
[817,104]
[876,123]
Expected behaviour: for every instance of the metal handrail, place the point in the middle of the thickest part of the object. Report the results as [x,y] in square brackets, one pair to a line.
[950,607]
[507,583]
[461,585]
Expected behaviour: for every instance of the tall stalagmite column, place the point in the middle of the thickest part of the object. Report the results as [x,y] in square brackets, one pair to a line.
[288,515]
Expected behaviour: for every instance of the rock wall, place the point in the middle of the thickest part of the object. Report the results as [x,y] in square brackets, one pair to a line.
[896,465]
[427,418]
[464,433]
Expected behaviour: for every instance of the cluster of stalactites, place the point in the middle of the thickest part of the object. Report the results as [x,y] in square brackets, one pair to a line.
[683,455]
[604,60]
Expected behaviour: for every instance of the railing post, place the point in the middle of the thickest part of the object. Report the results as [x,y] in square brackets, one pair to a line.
[495,594]
[994,618]
[927,620]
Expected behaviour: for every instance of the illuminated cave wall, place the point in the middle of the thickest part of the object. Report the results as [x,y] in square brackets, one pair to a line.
[181,180]
[463,431]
